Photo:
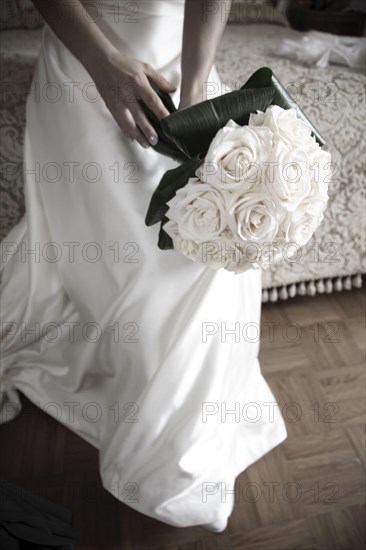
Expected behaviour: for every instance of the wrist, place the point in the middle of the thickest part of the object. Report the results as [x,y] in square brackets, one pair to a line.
[194,89]
[96,62]
[194,93]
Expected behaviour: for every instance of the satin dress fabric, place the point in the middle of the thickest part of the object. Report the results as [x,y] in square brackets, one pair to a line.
[151,358]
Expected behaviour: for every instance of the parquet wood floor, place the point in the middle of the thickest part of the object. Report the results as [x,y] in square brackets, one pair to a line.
[308,493]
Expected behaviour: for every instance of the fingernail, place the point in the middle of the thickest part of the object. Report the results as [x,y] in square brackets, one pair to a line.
[145,144]
[153,140]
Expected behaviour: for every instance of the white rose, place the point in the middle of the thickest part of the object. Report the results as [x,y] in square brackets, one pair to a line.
[298,227]
[213,254]
[287,176]
[235,157]
[256,256]
[285,124]
[186,247]
[271,253]
[199,211]
[255,217]
[223,251]
[246,257]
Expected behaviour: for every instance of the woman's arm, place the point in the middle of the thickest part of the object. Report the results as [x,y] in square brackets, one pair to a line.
[110,69]
[204,23]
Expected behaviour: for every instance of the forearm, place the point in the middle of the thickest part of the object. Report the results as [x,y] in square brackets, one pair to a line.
[79,33]
[204,23]
[112,70]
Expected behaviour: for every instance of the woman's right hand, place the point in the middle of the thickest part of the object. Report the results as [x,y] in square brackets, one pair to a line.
[120,79]
[121,82]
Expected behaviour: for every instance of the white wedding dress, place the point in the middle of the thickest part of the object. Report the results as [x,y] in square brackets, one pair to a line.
[127,345]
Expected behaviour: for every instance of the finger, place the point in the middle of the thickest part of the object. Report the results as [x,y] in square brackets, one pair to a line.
[136,133]
[144,125]
[130,129]
[124,121]
[140,138]
[158,79]
[152,100]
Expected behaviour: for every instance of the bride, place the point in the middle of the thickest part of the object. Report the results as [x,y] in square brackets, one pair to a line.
[150,357]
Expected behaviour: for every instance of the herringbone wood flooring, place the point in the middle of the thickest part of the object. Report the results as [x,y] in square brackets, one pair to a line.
[307,494]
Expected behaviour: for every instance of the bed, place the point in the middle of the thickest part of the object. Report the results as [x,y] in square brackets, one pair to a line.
[333,98]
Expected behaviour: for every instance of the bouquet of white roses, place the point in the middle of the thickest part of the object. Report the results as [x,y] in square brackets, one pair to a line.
[247,191]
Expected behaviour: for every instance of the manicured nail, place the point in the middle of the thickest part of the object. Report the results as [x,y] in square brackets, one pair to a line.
[153,140]
[145,144]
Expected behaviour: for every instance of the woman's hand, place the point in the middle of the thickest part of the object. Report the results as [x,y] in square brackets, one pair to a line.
[122,81]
